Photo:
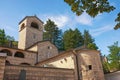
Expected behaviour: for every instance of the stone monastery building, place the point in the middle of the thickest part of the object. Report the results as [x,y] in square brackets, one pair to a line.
[35,59]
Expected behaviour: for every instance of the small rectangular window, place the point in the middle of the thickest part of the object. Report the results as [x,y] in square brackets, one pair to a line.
[49,47]
[89,67]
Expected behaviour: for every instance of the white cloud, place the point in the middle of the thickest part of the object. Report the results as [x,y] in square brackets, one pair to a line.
[60,20]
[101,30]
[63,20]
[84,19]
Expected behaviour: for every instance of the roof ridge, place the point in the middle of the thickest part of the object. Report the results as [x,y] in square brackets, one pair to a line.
[28,17]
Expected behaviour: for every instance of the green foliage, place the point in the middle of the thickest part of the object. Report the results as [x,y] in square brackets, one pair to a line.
[87,37]
[106,68]
[72,39]
[2,37]
[89,41]
[118,22]
[5,39]
[52,33]
[15,44]
[92,46]
[114,56]
[91,7]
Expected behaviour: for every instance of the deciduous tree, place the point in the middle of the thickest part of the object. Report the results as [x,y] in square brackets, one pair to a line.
[92,8]
[118,22]
[114,56]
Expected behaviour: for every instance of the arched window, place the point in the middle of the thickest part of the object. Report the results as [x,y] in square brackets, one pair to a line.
[34,25]
[19,54]
[6,51]
[26,64]
[22,26]
[7,63]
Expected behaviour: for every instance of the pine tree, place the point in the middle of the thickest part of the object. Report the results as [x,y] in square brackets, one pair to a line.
[89,41]
[52,33]
[72,39]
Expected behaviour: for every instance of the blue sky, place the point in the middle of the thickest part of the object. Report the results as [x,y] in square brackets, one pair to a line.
[100,27]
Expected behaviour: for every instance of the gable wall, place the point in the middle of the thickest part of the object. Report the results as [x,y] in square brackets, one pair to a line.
[46,50]
[63,61]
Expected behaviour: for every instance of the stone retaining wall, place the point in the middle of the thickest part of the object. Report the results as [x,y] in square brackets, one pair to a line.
[12,72]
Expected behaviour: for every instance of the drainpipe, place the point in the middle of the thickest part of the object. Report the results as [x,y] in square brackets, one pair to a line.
[79,76]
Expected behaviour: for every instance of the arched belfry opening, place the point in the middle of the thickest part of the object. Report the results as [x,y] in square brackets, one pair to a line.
[22,26]
[34,25]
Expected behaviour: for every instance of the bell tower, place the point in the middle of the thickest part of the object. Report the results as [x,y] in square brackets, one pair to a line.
[30,32]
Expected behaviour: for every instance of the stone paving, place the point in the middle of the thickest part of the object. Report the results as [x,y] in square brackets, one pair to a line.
[113,76]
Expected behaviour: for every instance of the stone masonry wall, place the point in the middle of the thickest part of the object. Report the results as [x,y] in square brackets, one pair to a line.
[38,73]
[2,65]
[29,57]
[46,50]
[90,65]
